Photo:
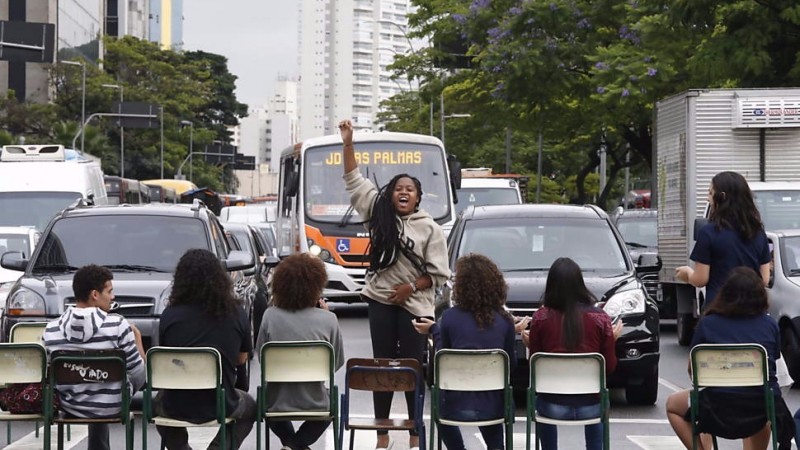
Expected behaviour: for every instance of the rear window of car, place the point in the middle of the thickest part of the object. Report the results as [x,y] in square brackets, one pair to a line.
[147,241]
[532,244]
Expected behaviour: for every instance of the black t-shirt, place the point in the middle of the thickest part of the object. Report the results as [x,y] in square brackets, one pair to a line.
[185,326]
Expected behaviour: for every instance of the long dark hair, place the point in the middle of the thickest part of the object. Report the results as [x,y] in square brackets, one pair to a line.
[742,295]
[565,291]
[733,206]
[201,281]
[384,235]
[480,289]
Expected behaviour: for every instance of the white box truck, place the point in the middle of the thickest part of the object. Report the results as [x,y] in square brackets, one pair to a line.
[700,133]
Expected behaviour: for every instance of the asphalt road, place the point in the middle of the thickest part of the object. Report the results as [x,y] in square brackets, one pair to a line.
[632,427]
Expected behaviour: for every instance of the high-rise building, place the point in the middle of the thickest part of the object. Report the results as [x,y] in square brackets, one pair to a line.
[253,133]
[79,28]
[345,48]
[128,18]
[166,23]
[282,122]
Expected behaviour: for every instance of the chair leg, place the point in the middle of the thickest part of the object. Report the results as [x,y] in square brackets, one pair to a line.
[144,432]
[336,442]
[60,436]
[352,438]
[69,432]
[258,434]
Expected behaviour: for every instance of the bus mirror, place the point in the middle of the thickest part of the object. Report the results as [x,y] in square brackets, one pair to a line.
[454,166]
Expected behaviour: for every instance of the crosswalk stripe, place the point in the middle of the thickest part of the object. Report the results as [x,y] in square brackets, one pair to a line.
[669,385]
[31,442]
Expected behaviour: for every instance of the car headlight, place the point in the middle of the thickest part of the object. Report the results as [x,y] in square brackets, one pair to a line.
[317,250]
[4,290]
[25,302]
[629,301]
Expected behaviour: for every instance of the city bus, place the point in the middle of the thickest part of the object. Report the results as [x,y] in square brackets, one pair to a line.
[314,213]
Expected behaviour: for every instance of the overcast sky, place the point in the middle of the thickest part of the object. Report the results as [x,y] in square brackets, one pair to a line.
[259,37]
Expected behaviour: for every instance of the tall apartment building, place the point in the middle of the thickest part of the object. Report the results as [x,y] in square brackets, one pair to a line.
[166,23]
[128,18]
[253,133]
[282,122]
[345,47]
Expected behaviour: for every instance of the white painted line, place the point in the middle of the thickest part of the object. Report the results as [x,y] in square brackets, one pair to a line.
[31,442]
[657,442]
[667,384]
[200,437]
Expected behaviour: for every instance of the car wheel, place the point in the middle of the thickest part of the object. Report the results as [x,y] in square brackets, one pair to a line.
[645,393]
[243,376]
[685,324]
[790,350]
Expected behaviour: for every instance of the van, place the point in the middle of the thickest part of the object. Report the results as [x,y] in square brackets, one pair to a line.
[482,191]
[37,181]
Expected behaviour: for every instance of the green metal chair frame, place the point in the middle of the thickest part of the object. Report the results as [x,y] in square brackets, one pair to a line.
[17,357]
[21,333]
[567,374]
[184,368]
[733,365]
[472,371]
[61,370]
[297,362]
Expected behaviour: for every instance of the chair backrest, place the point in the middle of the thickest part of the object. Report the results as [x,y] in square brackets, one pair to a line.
[383,374]
[729,365]
[22,363]
[297,361]
[184,368]
[87,366]
[471,370]
[567,373]
[28,332]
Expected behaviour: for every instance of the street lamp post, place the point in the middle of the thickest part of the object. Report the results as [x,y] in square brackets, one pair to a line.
[121,128]
[190,124]
[83,91]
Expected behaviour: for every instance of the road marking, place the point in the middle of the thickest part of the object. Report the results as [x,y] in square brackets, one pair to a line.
[31,442]
[657,442]
[669,385]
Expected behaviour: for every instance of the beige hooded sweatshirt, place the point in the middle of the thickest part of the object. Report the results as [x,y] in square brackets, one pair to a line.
[429,244]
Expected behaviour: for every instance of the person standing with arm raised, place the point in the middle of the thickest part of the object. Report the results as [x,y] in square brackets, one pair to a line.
[408,261]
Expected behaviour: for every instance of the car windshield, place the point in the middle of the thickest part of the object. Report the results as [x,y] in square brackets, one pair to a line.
[532,244]
[780,210]
[791,255]
[33,208]
[15,243]
[474,196]
[124,241]
[639,230]
[242,239]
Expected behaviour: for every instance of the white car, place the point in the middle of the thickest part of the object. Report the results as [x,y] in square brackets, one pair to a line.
[15,239]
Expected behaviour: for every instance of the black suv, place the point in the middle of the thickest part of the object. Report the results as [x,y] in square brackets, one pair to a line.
[524,240]
[140,244]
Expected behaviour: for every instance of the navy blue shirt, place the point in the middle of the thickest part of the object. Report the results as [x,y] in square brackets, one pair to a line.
[725,249]
[761,329]
[458,329]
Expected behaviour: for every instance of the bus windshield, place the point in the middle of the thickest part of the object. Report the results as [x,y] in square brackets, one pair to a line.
[326,199]
[33,208]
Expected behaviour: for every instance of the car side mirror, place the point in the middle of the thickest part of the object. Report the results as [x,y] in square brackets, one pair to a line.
[648,262]
[699,223]
[14,261]
[239,260]
[271,261]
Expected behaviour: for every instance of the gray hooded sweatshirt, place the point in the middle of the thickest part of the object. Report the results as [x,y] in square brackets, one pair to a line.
[428,243]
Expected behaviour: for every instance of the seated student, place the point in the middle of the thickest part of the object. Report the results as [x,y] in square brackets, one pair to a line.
[477,321]
[299,314]
[89,326]
[737,315]
[568,322]
[202,312]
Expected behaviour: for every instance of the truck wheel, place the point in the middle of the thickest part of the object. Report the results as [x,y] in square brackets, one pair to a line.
[685,324]
[790,349]
[645,393]
[243,376]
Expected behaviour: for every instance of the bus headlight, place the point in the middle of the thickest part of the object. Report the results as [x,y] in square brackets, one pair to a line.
[25,302]
[629,301]
[316,250]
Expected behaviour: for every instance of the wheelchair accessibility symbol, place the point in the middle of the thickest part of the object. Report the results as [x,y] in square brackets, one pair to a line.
[343,245]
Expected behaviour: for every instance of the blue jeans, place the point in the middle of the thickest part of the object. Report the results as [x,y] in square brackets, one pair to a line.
[451,435]
[548,434]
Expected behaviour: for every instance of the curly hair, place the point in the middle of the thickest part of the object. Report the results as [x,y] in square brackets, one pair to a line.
[384,234]
[89,278]
[480,289]
[742,295]
[733,206]
[566,291]
[201,280]
[298,281]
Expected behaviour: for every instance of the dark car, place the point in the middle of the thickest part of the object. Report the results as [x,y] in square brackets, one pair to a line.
[140,244]
[524,240]
[639,229]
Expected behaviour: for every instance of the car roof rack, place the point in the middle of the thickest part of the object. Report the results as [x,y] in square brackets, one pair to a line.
[19,153]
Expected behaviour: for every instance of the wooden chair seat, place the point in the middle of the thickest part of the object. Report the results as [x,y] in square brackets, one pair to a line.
[381,424]
[170,422]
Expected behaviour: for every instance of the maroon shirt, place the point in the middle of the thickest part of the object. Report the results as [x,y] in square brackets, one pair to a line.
[598,336]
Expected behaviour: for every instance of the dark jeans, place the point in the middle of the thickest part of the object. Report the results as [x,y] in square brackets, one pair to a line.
[98,437]
[245,414]
[548,434]
[451,435]
[393,336]
[308,433]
